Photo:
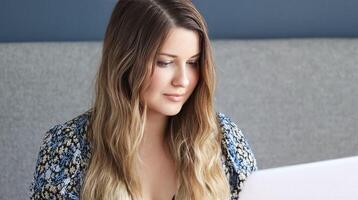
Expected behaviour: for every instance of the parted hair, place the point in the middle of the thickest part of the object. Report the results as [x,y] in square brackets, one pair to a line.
[134,35]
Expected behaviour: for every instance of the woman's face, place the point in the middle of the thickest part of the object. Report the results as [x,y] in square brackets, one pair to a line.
[176,72]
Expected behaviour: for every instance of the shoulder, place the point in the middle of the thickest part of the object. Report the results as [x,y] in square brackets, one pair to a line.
[238,157]
[63,156]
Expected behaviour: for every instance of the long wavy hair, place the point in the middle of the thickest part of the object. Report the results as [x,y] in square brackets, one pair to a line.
[133,38]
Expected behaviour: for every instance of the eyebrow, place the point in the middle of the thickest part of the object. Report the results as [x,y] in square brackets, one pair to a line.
[174,56]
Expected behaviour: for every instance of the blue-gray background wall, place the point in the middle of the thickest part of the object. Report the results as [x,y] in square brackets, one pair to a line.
[85,20]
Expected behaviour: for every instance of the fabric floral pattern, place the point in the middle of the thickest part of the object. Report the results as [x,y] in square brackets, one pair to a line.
[238,159]
[65,153]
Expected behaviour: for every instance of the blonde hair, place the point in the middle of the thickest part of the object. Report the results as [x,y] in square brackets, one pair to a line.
[134,35]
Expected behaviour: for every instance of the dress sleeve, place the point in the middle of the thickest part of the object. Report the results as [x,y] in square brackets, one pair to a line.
[243,153]
[56,170]
[239,158]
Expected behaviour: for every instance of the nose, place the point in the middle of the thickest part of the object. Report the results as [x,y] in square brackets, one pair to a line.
[181,77]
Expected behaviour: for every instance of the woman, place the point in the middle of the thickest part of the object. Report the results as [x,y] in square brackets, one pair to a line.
[152,132]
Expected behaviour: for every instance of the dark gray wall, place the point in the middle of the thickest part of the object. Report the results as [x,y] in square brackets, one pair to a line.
[85,20]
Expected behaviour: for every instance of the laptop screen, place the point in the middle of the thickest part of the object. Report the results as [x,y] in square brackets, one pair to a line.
[335,179]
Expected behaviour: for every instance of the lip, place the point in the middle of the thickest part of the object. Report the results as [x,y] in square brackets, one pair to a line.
[175,97]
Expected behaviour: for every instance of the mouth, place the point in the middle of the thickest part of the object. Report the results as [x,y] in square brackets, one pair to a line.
[174,94]
[175,97]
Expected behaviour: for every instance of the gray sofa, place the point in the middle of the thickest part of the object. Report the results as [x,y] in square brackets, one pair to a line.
[296,100]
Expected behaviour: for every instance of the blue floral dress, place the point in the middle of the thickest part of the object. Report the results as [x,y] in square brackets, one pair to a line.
[65,154]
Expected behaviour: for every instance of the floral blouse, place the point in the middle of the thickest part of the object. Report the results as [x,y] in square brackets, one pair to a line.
[65,153]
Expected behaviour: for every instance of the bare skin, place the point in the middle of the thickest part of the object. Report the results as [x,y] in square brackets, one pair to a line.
[157,174]
[179,76]
[157,171]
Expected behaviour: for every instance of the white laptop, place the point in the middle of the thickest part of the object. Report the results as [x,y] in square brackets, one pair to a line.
[335,179]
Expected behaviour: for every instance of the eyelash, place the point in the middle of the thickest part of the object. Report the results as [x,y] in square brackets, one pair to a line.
[164,64]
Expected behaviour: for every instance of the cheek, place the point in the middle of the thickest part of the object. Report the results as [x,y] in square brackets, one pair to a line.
[195,78]
[158,83]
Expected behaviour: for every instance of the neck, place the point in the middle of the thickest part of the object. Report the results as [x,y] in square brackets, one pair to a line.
[154,131]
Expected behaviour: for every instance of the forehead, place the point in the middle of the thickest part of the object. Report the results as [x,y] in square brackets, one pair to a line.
[181,42]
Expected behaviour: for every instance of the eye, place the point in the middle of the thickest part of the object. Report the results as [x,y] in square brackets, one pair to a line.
[194,63]
[163,64]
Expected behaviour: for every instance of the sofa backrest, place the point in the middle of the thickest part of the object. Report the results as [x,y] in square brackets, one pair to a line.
[296,100]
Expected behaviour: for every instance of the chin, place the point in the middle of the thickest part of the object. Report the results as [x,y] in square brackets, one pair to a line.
[169,110]
[166,109]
